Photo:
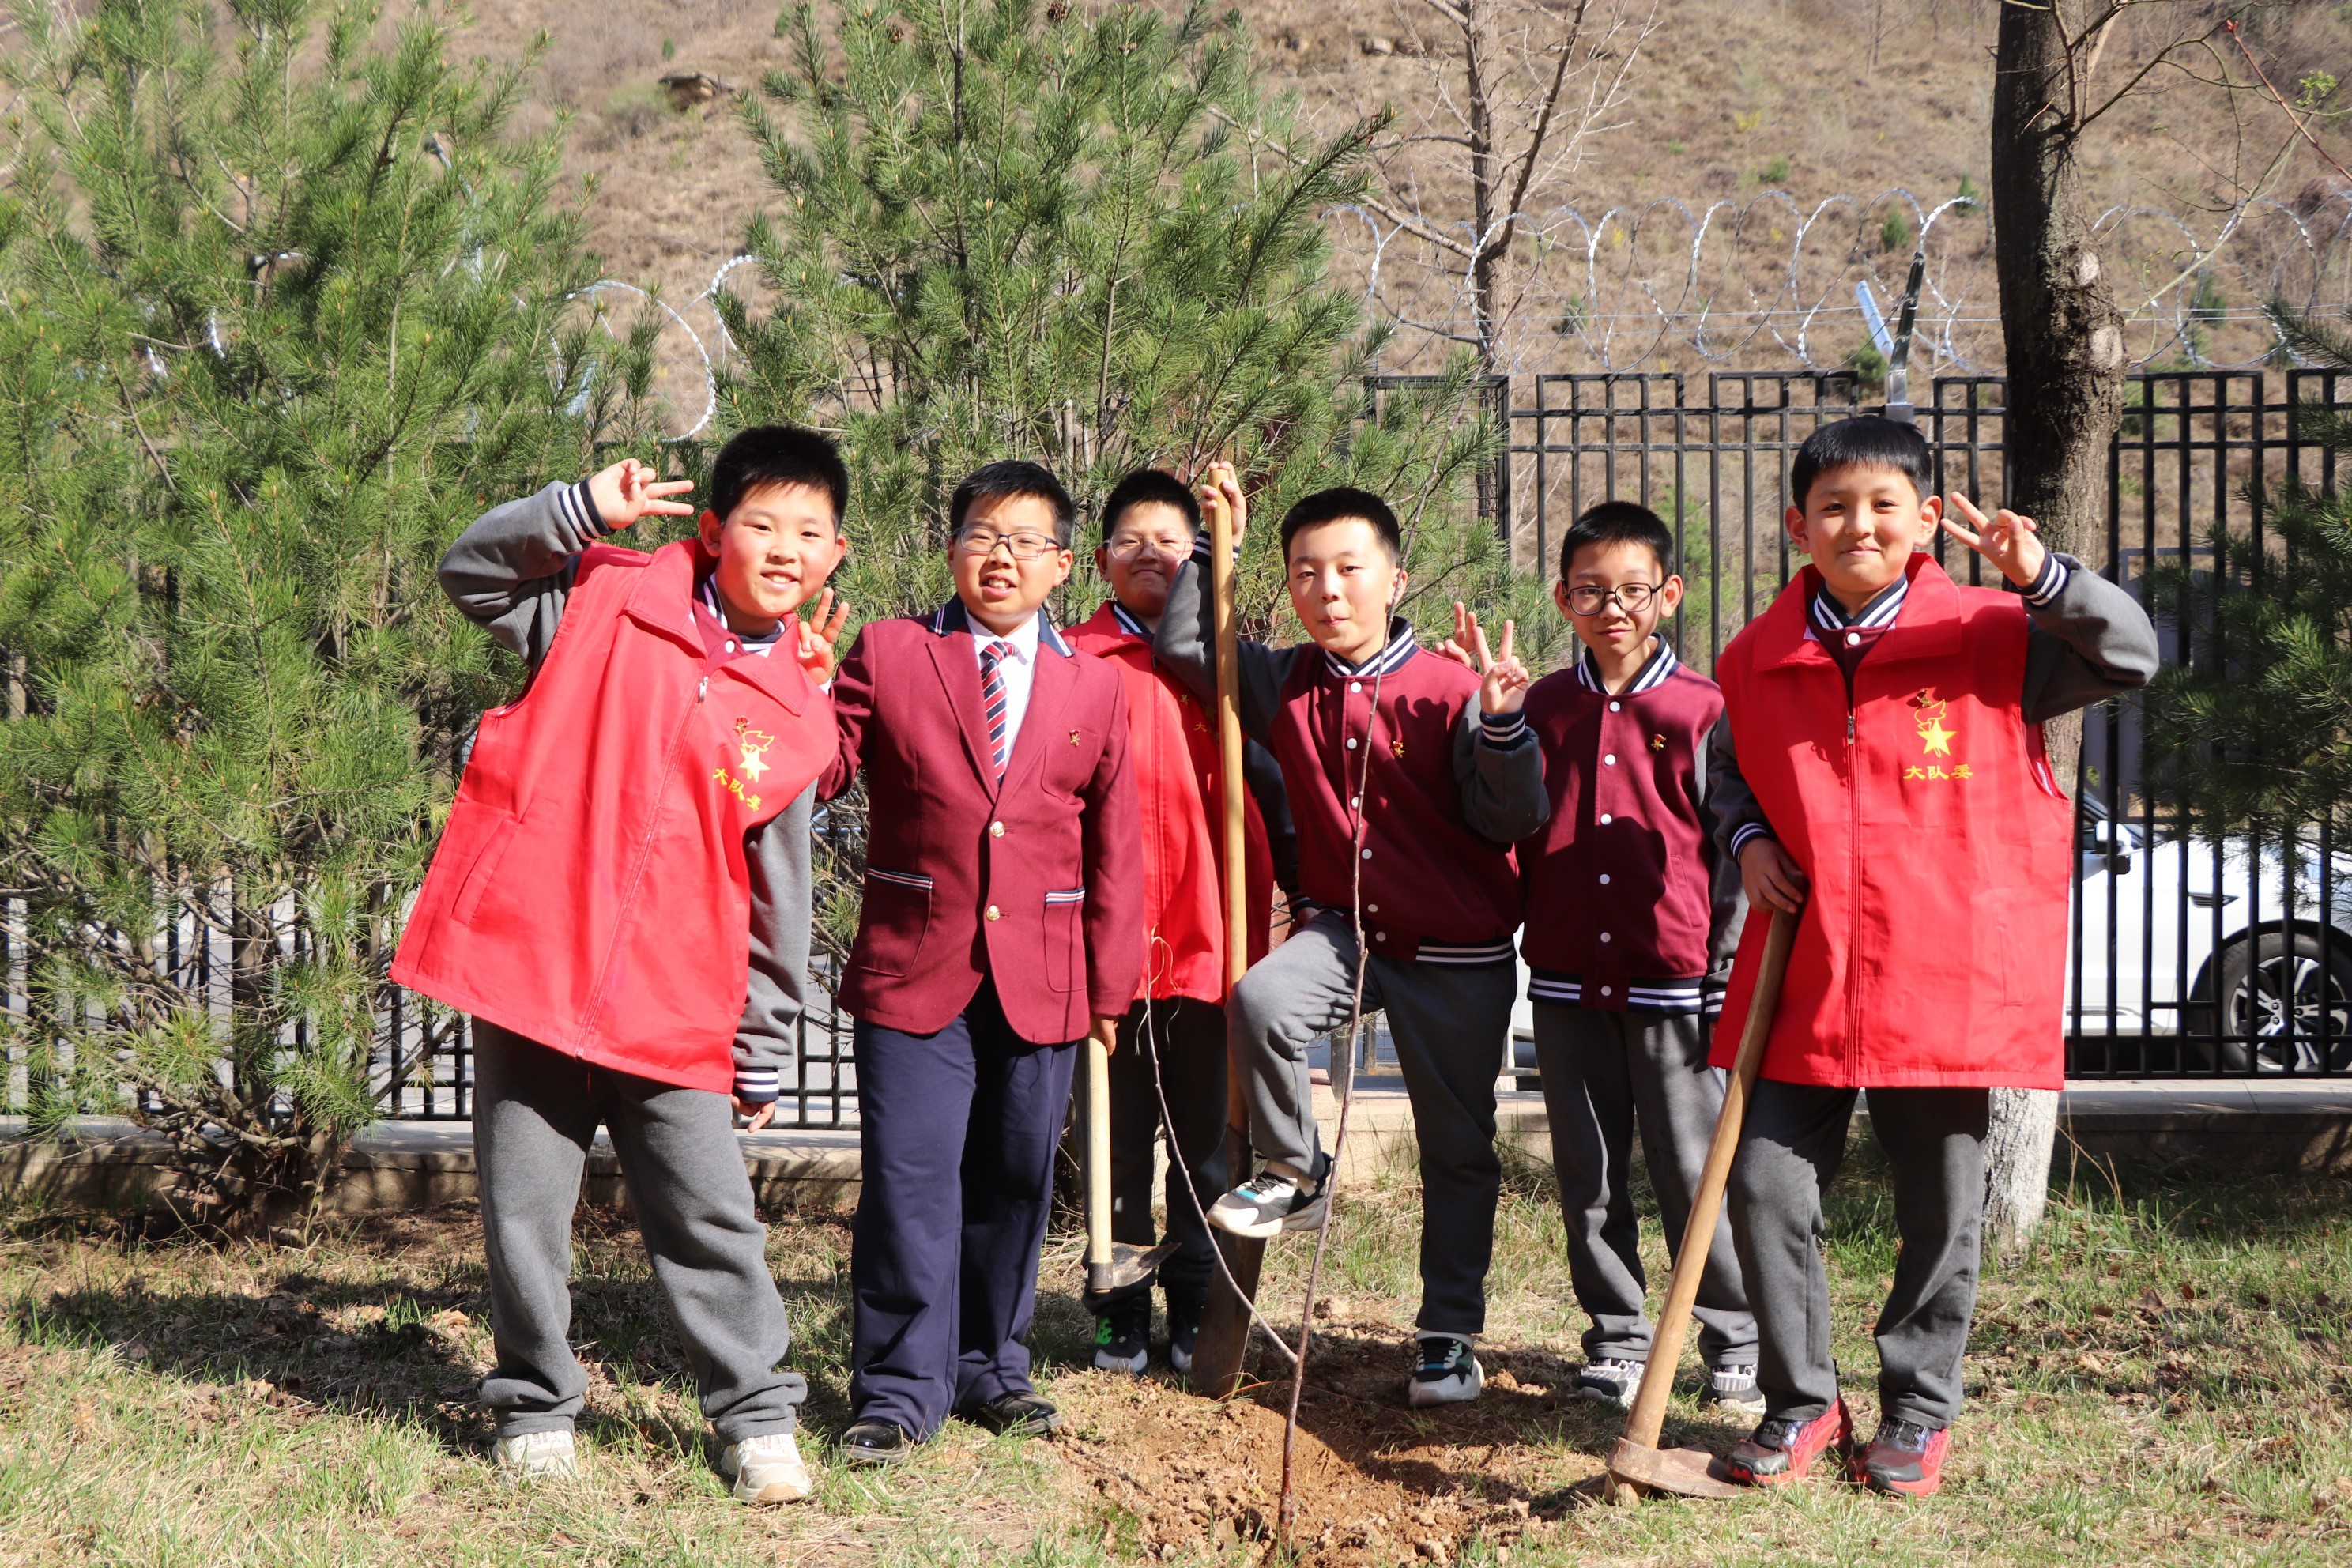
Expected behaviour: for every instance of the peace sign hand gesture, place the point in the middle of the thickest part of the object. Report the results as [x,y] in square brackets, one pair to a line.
[1502,680]
[2009,541]
[630,490]
[812,640]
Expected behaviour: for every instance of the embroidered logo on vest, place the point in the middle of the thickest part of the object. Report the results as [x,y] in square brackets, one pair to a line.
[1928,712]
[751,748]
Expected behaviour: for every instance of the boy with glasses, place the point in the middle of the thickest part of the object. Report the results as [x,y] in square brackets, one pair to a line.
[1002,921]
[1632,918]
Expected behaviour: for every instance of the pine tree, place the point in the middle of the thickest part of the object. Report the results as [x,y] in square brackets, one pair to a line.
[2253,732]
[284,307]
[1093,240]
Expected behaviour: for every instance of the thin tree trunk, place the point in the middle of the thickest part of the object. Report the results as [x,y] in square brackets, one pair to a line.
[2066,397]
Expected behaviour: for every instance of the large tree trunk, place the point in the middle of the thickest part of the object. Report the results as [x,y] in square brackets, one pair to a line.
[2065,396]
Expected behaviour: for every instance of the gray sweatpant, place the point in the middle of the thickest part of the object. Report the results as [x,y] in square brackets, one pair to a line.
[1450,1024]
[1790,1150]
[535,1113]
[1602,1073]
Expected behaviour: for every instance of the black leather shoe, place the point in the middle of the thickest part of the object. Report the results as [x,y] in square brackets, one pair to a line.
[877,1440]
[1021,1415]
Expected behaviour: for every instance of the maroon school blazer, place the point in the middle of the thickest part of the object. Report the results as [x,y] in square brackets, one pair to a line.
[1037,884]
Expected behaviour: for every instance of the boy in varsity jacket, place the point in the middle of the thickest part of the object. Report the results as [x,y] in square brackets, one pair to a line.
[1880,764]
[1172,1043]
[1631,915]
[1003,922]
[630,842]
[1408,777]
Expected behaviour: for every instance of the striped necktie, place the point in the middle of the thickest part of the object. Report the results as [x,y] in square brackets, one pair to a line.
[992,697]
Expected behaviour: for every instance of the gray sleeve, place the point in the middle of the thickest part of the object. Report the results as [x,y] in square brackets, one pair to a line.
[510,573]
[767,1041]
[2090,640]
[1186,646]
[1499,768]
[1738,818]
[1727,895]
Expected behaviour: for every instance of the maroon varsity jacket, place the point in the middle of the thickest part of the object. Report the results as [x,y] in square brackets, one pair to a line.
[1629,905]
[1445,793]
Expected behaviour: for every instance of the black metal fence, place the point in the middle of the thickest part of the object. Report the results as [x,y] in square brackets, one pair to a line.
[2192,953]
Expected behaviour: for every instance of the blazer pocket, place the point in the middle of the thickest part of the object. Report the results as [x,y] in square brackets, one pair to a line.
[896,914]
[1066,938]
[485,868]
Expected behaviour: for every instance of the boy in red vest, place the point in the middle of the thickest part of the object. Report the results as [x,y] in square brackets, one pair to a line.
[1003,922]
[1172,1043]
[1632,916]
[630,842]
[1880,765]
[1409,778]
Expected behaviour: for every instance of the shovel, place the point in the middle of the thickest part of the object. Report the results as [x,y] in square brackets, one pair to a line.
[1116,1271]
[1224,1342]
[1637,1464]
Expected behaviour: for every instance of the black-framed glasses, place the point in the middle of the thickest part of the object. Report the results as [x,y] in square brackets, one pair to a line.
[1588,599]
[1021,546]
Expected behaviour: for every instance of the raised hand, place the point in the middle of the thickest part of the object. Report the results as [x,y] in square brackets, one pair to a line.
[2009,540]
[630,490]
[1457,646]
[813,637]
[1502,680]
[1219,479]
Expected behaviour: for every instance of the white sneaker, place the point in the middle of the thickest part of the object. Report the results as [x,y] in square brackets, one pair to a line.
[1267,1205]
[1611,1380]
[1448,1372]
[536,1457]
[766,1469]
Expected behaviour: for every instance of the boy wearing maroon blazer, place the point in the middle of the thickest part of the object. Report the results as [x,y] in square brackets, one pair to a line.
[1880,764]
[1172,1054]
[1003,922]
[1409,778]
[1631,915]
[620,901]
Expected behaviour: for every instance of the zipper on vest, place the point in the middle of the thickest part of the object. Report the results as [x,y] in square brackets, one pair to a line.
[703,691]
[1853,895]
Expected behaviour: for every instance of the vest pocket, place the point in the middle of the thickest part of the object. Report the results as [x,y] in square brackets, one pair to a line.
[1065,940]
[485,868]
[897,913]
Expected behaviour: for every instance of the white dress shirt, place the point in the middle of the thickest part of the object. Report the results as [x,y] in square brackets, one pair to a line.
[1016,666]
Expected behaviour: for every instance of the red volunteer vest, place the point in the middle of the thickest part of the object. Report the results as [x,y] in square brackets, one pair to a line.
[1932,951]
[590,891]
[1173,748]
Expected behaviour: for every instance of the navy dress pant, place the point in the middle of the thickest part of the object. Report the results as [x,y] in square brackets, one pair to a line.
[957,1132]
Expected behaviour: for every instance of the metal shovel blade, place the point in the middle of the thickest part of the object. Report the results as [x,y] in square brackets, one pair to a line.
[1684,1472]
[1128,1274]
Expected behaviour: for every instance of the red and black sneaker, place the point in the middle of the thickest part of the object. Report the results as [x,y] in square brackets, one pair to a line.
[1781,1451]
[1905,1460]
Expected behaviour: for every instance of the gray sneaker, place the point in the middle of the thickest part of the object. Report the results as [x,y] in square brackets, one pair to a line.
[1733,1387]
[1610,1381]
[1267,1205]
[536,1457]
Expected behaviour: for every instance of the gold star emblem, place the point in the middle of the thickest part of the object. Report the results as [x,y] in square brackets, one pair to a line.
[1398,747]
[1936,738]
[752,748]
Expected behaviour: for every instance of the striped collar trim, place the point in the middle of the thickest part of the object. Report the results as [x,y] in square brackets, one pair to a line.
[1388,661]
[1128,623]
[1829,616]
[953,617]
[1661,666]
[707,593]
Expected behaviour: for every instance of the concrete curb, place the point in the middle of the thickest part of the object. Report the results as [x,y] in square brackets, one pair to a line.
[2246,1125]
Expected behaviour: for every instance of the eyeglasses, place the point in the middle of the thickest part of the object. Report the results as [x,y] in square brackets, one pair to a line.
[1588,599]
[1128,546]
[1021,546]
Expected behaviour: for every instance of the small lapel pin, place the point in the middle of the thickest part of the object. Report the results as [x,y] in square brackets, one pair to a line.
[1074,737]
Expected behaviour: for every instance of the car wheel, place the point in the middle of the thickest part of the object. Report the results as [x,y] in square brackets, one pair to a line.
[2280,999]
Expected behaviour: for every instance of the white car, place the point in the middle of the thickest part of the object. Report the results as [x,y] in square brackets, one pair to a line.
[2192,919]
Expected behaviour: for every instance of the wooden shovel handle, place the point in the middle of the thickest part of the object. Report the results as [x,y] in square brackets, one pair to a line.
[1649,1413]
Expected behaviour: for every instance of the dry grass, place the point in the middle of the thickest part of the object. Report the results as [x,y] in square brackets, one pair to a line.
[2164,1379]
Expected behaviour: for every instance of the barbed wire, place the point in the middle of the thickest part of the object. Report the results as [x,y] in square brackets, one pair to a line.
[1648,283]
